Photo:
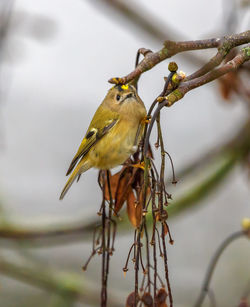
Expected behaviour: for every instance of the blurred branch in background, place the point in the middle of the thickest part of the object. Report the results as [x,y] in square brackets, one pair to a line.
[211,174]
[25,25]
[69,286]
[5,14]
[21,24]
[212,265]
[143,21]
[14,26]
[46,234]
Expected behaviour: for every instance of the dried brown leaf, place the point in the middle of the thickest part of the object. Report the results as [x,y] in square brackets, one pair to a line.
[138,177]
[134,209]
[147,299]
[131,300]
[161,298]
[228,84]
[119,187]
[122,190]
[165,228]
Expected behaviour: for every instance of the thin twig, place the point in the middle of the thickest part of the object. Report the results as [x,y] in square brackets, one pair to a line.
[185,87]
[125,268]
[108,249]
[147,253]
[137,257]
[213,263]
[104,284]
[162,185]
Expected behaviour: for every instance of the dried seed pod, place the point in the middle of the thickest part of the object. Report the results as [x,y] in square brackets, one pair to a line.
[161,298]
[131,300]
[147,299]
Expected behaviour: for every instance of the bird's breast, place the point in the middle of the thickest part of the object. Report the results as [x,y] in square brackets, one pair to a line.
[116,146]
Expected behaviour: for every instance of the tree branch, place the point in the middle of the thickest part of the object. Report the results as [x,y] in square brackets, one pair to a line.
[61,283]
[224,45]
[45,233]
[186,86]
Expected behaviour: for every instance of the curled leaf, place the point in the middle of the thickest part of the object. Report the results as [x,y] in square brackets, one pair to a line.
[131,300]
[165,228]
[147,299]
[134,209]
[122,190]
[119,184]
[161,298]
[229,83]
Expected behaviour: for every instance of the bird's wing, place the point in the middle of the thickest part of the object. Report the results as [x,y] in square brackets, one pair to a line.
[97,129]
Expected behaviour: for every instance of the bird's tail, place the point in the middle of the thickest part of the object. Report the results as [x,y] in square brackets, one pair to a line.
[81,167]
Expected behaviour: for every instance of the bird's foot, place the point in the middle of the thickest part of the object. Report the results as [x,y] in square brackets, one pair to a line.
[140,165]
[146,120]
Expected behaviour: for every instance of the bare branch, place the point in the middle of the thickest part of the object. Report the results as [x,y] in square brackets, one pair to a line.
[234,64]
[54,281]
[224,45]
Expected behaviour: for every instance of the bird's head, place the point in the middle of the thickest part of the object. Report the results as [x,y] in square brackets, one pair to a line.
[123,98]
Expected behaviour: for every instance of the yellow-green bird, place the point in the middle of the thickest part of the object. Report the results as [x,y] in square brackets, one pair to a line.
[113,134]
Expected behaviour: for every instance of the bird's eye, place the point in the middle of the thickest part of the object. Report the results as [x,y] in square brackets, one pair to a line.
[118,97]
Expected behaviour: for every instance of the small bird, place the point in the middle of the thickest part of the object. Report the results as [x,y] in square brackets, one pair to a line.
[113,134]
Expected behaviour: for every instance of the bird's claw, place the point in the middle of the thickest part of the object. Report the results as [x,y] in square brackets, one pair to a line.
[140,165]
[146,120]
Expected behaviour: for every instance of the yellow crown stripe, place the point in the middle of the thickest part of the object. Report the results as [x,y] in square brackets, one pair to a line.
[124,87]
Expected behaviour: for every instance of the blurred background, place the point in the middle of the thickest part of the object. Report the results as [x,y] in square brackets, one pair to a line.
[55,60]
